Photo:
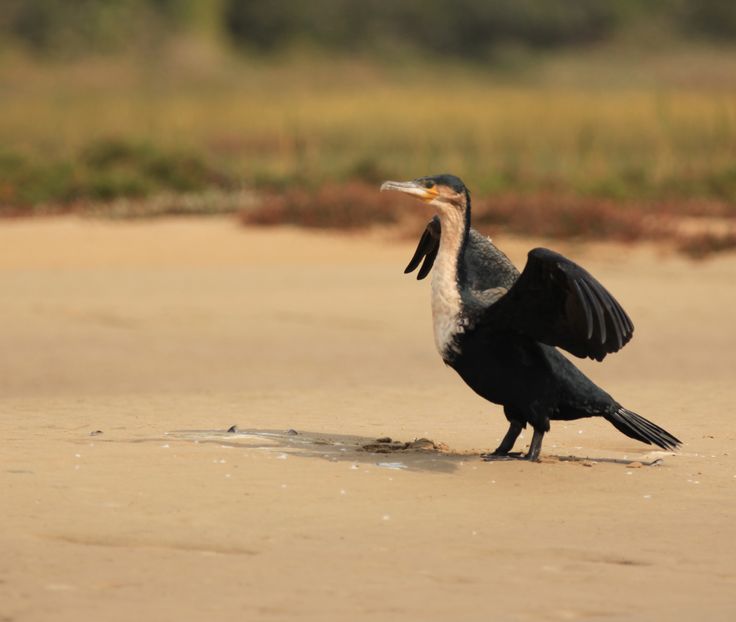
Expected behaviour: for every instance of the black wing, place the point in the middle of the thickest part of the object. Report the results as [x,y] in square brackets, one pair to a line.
[427,249]
[557,302]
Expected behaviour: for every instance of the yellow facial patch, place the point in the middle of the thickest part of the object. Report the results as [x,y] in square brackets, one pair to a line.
[430,194]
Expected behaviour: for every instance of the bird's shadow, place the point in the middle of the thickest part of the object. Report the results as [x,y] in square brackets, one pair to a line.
[418,455]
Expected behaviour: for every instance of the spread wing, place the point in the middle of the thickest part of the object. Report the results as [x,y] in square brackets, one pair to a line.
[427,249]
[557,302]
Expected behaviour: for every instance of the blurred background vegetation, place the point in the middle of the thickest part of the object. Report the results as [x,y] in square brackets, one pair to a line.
[463,28]
[291,111]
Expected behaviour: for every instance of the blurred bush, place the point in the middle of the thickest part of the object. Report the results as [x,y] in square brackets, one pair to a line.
[458,27]
[464,28]
[710,18]
[352,205]
[105,170]
[78,27]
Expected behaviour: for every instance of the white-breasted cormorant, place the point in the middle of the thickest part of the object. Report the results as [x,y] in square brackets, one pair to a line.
[500,329]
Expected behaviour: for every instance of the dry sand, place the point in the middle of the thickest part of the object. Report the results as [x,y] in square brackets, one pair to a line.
[162,335]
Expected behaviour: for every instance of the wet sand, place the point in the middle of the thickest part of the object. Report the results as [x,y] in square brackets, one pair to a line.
[128,350]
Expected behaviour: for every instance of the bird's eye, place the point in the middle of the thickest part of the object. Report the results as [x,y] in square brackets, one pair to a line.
[429,183]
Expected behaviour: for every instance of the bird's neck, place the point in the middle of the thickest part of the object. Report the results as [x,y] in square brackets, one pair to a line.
[448,276]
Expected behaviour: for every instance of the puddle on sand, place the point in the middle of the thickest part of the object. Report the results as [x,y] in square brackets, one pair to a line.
[417,455]
[421,454]
[395,466]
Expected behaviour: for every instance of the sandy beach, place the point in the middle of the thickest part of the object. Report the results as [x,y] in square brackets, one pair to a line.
[128,349]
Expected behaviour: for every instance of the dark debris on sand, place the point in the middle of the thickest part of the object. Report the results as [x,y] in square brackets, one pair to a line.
[386,445]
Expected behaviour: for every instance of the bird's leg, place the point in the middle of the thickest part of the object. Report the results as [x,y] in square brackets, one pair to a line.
[508,441]
[502,451]
[535,446]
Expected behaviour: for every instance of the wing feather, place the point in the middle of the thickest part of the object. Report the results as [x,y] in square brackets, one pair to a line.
[586,308]
[596,304]
[428,263]
[559,303]
[426,251]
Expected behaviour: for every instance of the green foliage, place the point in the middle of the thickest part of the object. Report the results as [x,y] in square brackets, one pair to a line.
[105,170]
[461,28]
[71,27]
[122,168]
[457,27]
[711,18]
[82,27]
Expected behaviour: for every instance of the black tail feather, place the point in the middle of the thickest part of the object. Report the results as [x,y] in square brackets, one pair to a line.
[637,427]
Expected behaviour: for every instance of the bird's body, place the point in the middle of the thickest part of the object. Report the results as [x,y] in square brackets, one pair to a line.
[498,328]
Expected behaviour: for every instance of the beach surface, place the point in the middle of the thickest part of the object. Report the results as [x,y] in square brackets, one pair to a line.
[128,349]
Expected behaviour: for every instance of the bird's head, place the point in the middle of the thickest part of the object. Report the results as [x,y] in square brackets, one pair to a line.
[447,193]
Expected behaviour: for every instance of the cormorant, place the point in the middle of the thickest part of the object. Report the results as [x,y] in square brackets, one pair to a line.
[500,329]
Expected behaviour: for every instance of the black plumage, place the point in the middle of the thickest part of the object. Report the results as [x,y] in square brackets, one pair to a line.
[500,329]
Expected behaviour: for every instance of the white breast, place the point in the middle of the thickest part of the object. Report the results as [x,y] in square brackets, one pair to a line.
[446,300]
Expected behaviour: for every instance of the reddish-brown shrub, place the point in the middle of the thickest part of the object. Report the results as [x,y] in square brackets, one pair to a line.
[351,205]
[701,245]
[564,217]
